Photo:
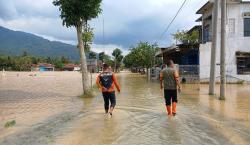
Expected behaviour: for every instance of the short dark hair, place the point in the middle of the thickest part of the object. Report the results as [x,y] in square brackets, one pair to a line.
[105,66]
[163,66]
[170,62]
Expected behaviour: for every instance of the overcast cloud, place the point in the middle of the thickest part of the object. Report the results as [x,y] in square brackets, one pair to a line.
[126,22]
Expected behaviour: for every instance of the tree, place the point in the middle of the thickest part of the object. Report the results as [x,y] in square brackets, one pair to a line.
[49,60]
[107,60]
[64,60]
[92,55]
[87,37]
[101,56]
[128,61]
[58,64]
[77,13]
[25,53]
[143,55]
[185,37]
[23,63]
[117,54]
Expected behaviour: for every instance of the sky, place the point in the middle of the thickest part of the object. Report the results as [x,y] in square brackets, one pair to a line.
[125,22]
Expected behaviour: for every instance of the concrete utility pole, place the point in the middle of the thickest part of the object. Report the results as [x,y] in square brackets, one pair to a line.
[223,47]
[214,47]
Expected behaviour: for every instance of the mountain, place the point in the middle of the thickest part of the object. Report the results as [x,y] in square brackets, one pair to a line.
[16,42]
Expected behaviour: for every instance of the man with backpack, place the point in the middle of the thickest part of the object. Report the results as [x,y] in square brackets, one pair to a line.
[107,81]
[169,78]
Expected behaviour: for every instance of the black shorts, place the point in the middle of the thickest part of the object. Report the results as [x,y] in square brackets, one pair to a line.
[170,96]
[109,97]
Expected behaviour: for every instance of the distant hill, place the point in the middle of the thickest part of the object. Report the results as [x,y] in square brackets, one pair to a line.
[16,42]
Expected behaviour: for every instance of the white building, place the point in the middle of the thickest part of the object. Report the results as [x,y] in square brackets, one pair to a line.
[237,37]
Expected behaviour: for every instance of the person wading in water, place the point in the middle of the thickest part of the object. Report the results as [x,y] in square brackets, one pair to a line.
[107,81]
[169,78]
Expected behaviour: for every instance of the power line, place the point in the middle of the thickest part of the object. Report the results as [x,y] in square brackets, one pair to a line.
[184,2]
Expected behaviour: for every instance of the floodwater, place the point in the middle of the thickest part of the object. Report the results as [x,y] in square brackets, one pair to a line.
[140,118]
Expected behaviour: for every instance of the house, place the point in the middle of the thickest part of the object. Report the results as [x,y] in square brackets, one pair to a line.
[186,56]
[42,67]
[94,65]
[71,67]
[237,42]
[194,60]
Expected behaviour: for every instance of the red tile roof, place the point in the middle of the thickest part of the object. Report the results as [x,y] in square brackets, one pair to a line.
[70,65]
[43,65]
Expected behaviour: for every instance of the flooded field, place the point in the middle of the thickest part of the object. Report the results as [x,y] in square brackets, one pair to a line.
[47,111]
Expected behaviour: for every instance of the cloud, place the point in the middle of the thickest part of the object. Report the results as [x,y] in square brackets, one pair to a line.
[7,10]
[13,9]
[108,48]
[126,22]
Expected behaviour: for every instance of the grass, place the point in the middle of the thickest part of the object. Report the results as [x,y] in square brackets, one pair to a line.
[89,93]
[10,124]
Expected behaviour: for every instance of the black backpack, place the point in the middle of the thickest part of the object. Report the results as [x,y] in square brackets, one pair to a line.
[106,79]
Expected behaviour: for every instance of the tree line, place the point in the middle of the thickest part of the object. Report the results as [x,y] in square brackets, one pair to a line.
[24,62]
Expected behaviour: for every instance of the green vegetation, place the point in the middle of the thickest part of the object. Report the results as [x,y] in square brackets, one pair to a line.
[185,37]
[143,55]
[24,62]
[87,37]
[10,124]
[117,54]
[92,55]
[106,59]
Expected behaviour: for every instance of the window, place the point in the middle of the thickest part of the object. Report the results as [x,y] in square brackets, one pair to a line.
[243,63]
[206,34]
[247,27]
[231,26]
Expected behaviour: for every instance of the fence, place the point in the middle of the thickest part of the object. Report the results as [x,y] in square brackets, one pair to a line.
[189,73]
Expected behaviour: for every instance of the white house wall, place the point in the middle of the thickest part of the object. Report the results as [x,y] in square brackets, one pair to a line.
[235,42]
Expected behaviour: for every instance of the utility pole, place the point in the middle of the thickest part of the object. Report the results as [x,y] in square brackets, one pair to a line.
[213,48]
[223,47]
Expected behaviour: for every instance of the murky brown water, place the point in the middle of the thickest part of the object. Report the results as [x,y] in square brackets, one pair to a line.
[140,118]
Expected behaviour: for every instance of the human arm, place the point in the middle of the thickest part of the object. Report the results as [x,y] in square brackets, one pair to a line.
[98,83]
[116,83]
[176,76]
[161,80]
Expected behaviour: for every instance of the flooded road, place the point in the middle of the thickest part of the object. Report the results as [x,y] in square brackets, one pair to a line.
[140,118]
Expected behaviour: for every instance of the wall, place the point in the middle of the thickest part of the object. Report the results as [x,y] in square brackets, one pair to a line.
[235,42]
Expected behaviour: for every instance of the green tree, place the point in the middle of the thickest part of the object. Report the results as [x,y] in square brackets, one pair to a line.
[92,55]
[143,55]
[77,13]
[65,60]
[185,37]
[49,60]
[117,54]
[87,37]
[107,60]
[58,64]
[25,53]
[23,63]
